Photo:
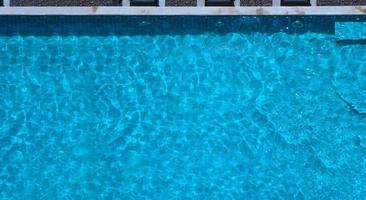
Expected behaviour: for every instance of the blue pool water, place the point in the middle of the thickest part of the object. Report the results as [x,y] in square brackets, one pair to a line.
[181,108]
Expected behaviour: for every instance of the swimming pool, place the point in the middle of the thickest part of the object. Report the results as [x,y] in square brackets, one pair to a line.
[181,108]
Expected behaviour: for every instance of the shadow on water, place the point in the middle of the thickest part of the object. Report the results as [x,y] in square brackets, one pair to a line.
[160,25]
[347,42]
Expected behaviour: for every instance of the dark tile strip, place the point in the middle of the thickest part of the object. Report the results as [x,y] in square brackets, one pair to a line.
[255,2]
[341,2]
[181,3]
[66,3]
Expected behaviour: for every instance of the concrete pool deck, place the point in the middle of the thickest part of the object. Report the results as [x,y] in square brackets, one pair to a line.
[203,11]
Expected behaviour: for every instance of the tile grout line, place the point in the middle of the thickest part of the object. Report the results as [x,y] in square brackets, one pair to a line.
[6,3]
[276,3]
[313,2]
[126,3]
[162,3]
[200,3]
[237,3]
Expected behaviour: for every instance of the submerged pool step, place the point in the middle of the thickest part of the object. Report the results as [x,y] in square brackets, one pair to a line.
[350,30]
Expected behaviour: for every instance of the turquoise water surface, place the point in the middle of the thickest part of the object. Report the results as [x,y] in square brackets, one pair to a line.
[182,108]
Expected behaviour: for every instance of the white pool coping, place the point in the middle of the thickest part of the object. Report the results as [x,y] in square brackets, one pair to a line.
[200,11]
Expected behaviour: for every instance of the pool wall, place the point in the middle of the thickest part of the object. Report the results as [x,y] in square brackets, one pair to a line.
[313,10]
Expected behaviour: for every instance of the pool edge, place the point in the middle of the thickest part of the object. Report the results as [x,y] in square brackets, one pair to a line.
[199,11]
